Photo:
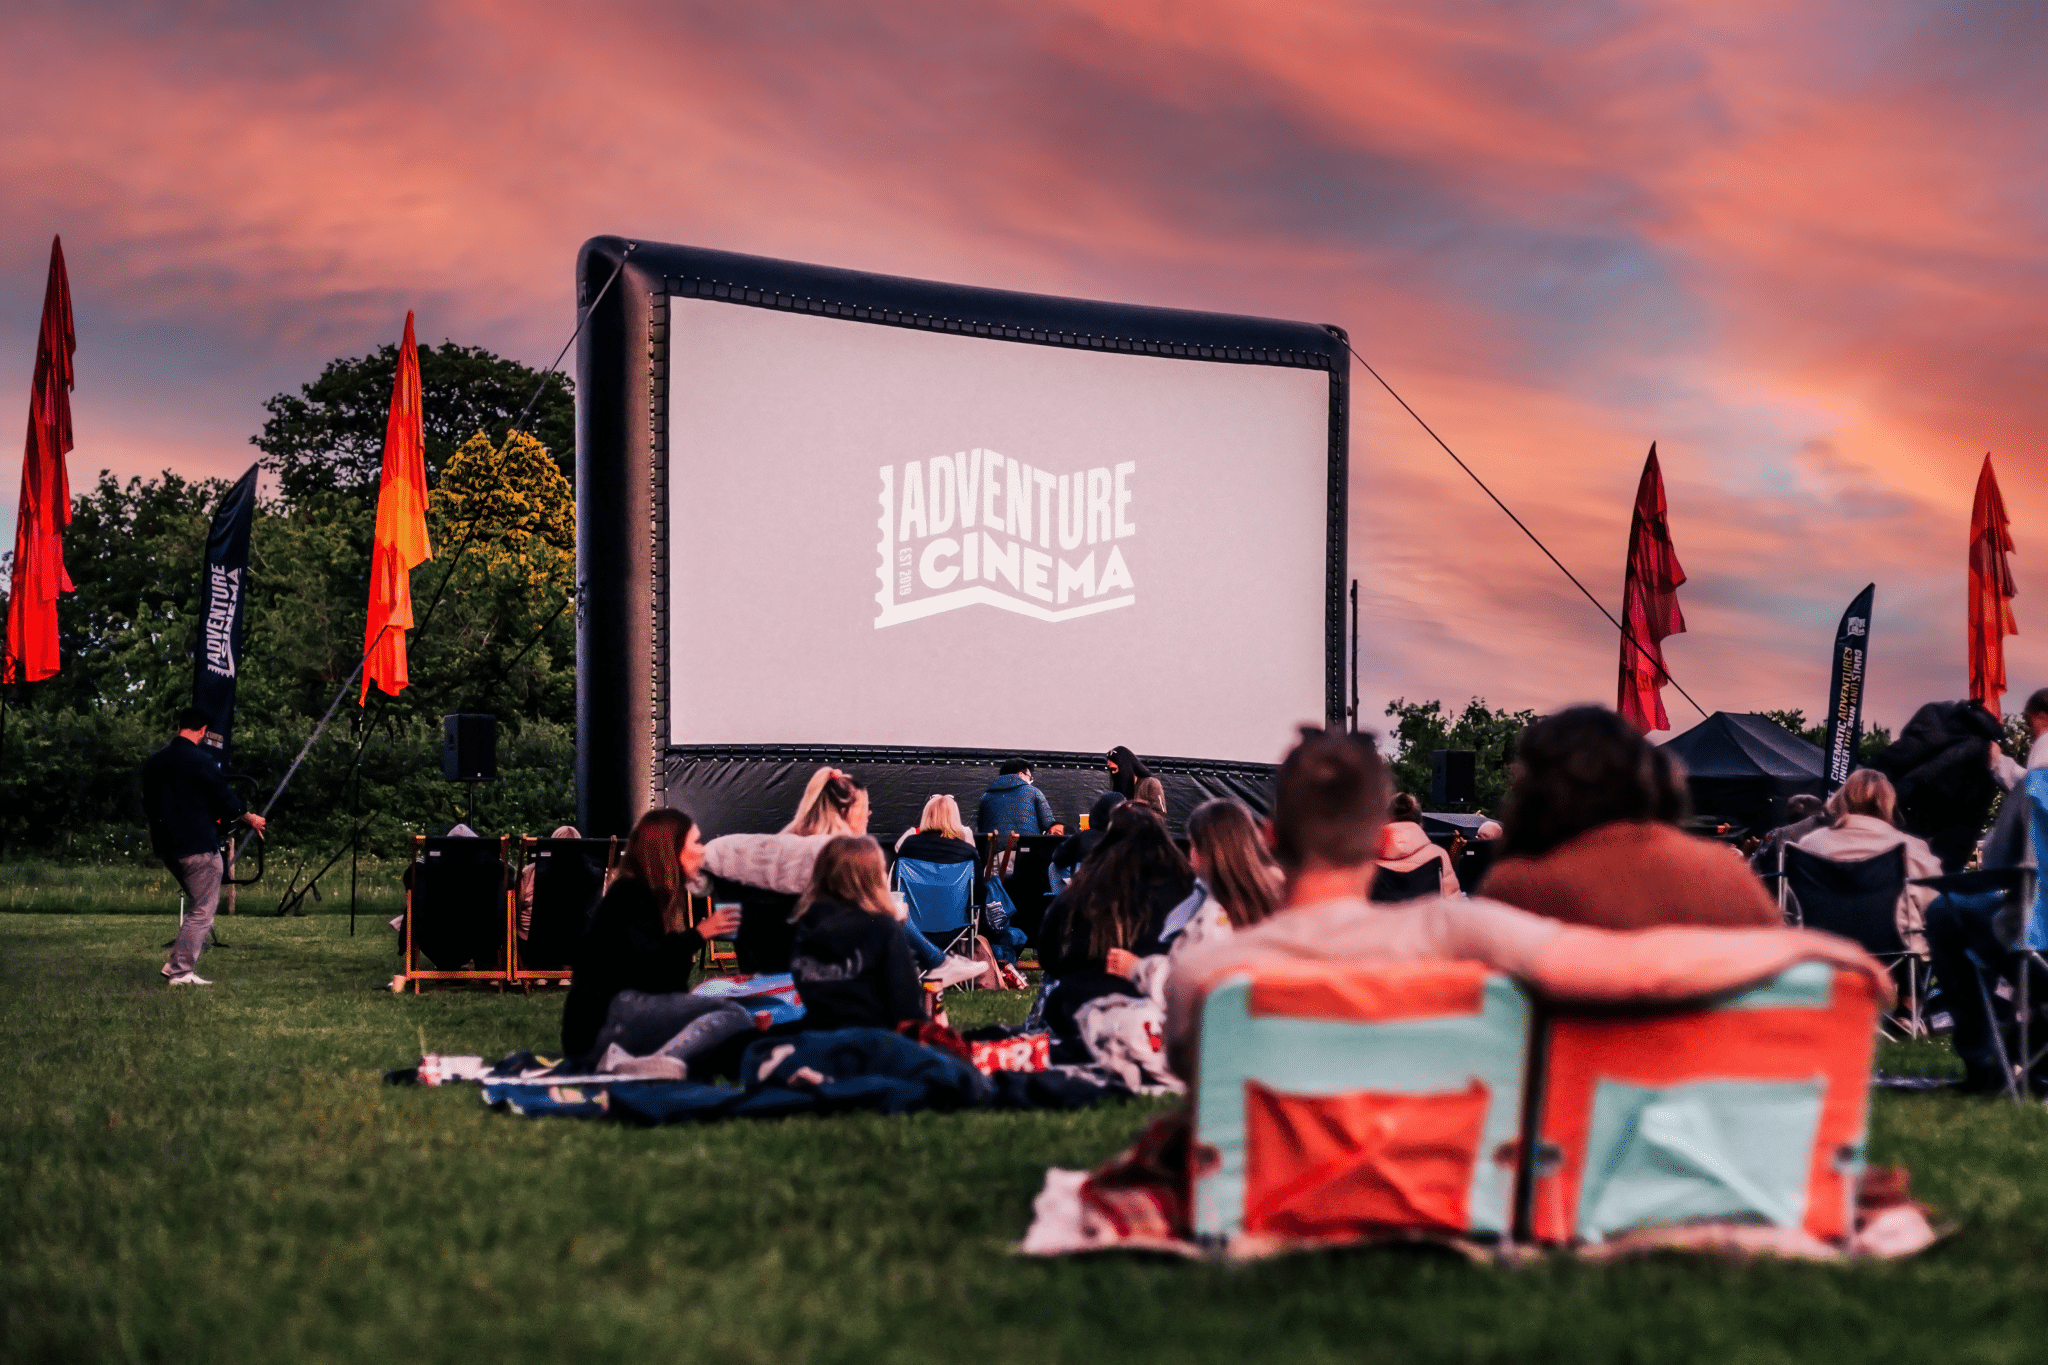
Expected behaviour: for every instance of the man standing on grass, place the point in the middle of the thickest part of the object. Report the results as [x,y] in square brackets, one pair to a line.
[186,798]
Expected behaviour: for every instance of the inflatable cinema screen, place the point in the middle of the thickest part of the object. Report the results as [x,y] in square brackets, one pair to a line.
[913,528]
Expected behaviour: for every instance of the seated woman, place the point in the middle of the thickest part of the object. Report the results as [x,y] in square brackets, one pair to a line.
[1404,850]
[1151,792]
[632,969]
[1237,885]
[767,872]
[1592,818]
[1865,812]
[1119,898]
[941,837]
[851,963]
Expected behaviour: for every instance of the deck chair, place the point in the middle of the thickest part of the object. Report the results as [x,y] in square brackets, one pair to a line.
[767,934]
[1752,1110]
[1344,1102]
[941,898]
[568,882]
[459,910]
[718,956]
[1417,883]
[1859,901]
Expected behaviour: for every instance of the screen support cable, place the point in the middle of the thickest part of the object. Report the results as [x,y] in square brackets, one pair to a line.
[1599,606]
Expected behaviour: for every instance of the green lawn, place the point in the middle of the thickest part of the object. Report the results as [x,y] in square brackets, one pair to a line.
[220,1174]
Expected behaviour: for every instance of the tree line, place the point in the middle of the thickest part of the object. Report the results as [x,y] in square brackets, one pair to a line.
[495,610]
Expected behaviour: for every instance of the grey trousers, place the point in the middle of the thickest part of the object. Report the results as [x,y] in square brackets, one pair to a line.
[676,1024]
[200,876]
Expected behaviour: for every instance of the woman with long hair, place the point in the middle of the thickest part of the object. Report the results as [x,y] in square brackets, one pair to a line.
[1237,884]
[766,873]
[1119,899]
[632,969]
[1126,770]
[1592,818]
[851,963]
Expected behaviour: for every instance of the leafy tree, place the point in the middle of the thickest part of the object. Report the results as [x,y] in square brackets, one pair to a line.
[1423,726]
[329,436]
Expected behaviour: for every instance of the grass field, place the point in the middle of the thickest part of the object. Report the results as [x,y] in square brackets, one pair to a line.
[33,884]
[220,1174]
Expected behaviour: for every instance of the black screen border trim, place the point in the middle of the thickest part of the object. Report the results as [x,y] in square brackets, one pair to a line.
[622,473]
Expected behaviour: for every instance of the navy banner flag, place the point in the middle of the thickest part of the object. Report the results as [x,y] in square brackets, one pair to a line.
[222,584]
[1845,689]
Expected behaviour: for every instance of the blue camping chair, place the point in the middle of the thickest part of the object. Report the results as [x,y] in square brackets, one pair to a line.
[941,897]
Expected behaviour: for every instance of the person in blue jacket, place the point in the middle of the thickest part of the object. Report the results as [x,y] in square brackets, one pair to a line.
[1012,805]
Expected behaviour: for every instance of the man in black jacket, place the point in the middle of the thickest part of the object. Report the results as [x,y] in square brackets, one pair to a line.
[186,798]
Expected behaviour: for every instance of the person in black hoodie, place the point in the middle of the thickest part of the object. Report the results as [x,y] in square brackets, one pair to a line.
[851,962]
[1126,770]
[1941,767]
[1119,898]
[632,969]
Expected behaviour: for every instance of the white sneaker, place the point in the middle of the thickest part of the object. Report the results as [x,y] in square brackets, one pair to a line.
[189,979]
[954,970]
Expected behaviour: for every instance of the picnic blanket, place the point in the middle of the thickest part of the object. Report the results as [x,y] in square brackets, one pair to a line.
[823,1072]
[1139,1200]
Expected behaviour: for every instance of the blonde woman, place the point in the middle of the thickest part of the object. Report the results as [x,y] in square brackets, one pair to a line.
[940,836]
[1152,792]
[767,872]
[833,803]
[1865,812]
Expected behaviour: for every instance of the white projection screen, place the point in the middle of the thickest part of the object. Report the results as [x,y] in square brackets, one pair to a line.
[946,541]
[885,516]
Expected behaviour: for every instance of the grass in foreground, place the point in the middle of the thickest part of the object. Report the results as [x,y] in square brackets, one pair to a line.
[221,1174]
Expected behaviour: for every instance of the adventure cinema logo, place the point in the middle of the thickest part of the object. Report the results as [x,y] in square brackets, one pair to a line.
[982,528]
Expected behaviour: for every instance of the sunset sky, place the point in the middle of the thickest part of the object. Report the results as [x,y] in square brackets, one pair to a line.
[1798,246]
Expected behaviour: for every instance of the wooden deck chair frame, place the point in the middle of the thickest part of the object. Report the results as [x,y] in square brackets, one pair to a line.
[717,955]
[500,975]
[524,977]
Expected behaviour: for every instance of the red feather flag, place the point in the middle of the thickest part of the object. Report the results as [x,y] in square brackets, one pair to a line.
[1991,592]
[400,543]
[45,493]
[1649,604]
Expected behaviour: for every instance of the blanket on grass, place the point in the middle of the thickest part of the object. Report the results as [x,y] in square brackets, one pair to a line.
[1139,1200]
[824,1072]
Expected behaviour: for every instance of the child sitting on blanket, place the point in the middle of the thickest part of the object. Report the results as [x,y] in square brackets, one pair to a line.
[1329,800]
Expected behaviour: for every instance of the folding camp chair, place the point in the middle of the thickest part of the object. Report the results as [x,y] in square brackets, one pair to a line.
[941,898]
[1417,883]
[568,882]
[1859,901]
[459,910]
[767,933]
[1752,1110]
[1342,1102]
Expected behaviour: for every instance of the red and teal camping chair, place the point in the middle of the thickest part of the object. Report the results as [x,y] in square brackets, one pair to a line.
[1343,1103]
[1753,1110]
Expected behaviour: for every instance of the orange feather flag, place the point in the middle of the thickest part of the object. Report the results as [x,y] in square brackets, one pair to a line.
[1649,604]
[1991,592]
[401,539]
[32,651]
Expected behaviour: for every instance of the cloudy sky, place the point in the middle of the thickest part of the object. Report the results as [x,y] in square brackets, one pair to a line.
[1799,246]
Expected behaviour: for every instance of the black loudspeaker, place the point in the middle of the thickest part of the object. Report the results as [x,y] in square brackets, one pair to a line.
[469,748]
[1453,778]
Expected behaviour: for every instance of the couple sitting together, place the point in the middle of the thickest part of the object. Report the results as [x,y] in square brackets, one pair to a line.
[856,961]
[1601,899]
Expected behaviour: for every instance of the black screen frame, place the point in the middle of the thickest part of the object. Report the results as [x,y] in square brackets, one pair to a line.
[623,290]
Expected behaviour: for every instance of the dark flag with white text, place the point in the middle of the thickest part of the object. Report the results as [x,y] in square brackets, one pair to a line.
[223,582]
[1845,688]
